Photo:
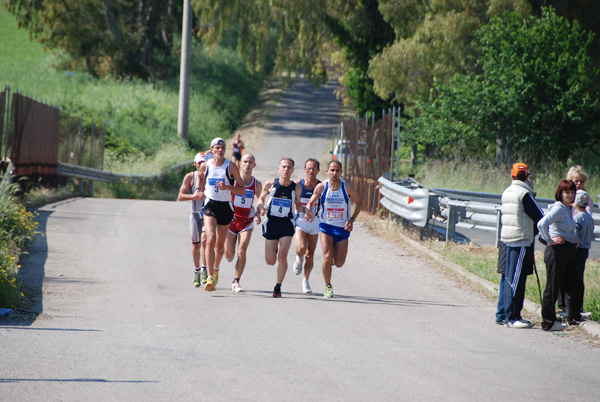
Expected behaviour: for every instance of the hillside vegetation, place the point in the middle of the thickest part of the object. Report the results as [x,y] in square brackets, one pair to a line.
[141,117]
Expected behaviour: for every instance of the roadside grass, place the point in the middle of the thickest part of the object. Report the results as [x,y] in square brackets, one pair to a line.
[476,176]
[140,117]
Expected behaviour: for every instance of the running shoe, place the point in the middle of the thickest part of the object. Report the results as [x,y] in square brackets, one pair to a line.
[328,291]
[586,315]
[277,291]
[210,286]
[306,286]
[298,265]
[197,279]
[235,287]
[216,274]
[557,326]
[203,277]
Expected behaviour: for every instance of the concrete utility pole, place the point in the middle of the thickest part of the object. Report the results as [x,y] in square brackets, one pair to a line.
[184,74]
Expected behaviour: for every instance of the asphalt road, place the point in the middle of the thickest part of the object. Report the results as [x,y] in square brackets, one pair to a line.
[120,319]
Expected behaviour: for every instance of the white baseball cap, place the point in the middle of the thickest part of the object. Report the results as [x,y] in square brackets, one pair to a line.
[200,157]
[217,141]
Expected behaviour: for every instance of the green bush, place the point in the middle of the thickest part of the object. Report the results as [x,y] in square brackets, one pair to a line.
[17,227]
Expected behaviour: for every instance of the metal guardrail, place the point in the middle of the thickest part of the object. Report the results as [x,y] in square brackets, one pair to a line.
[82,172]
[411,203]
[481,210]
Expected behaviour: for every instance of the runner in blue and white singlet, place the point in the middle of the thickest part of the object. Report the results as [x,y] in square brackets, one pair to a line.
[337,219]
[301,223]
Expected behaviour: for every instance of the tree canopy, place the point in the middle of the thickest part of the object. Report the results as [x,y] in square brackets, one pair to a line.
[108,37]
[534,94]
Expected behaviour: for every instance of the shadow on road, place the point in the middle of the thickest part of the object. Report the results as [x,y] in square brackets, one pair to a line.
[339,298]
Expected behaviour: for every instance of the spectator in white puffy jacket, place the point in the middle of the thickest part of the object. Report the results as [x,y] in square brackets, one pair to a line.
[520,214]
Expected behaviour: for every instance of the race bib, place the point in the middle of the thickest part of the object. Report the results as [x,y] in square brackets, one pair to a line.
[281,207]
[244,201]
[213,182]
[335,213]
[305,201]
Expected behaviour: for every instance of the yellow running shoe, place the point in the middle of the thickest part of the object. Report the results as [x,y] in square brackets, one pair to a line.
[209,287]
[216,274]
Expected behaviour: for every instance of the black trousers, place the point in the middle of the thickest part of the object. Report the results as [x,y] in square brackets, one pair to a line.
[561,269]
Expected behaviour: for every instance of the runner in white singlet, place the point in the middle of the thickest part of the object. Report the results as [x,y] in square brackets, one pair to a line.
[221,178]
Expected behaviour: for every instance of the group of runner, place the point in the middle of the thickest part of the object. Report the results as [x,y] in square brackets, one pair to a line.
[223,216]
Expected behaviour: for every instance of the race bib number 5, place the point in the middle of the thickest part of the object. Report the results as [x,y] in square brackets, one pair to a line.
[281,207]
[244,201]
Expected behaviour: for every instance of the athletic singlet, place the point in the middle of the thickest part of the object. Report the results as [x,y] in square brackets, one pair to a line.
[236,148]
[242,204]
[196,205]
[215,174]
[280,201]
[335,205]
[305,196]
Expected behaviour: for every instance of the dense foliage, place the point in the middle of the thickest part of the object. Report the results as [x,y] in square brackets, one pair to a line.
[533,95]
[131,38]
[311,37]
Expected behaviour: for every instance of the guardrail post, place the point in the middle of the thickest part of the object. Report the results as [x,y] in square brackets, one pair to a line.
[451,223]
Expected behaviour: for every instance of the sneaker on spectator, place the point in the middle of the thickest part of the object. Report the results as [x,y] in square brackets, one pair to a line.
[519,324]
[557,326]
[586,315]
[501,322]
[298,265]
[306,286]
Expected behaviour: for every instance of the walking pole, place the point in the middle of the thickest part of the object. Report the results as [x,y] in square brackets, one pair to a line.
[538,279]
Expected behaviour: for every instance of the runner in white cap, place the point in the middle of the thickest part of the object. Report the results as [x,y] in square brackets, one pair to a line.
[187,192]
[221,178]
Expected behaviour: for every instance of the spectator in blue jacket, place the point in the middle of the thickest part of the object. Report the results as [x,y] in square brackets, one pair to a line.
[557,229]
